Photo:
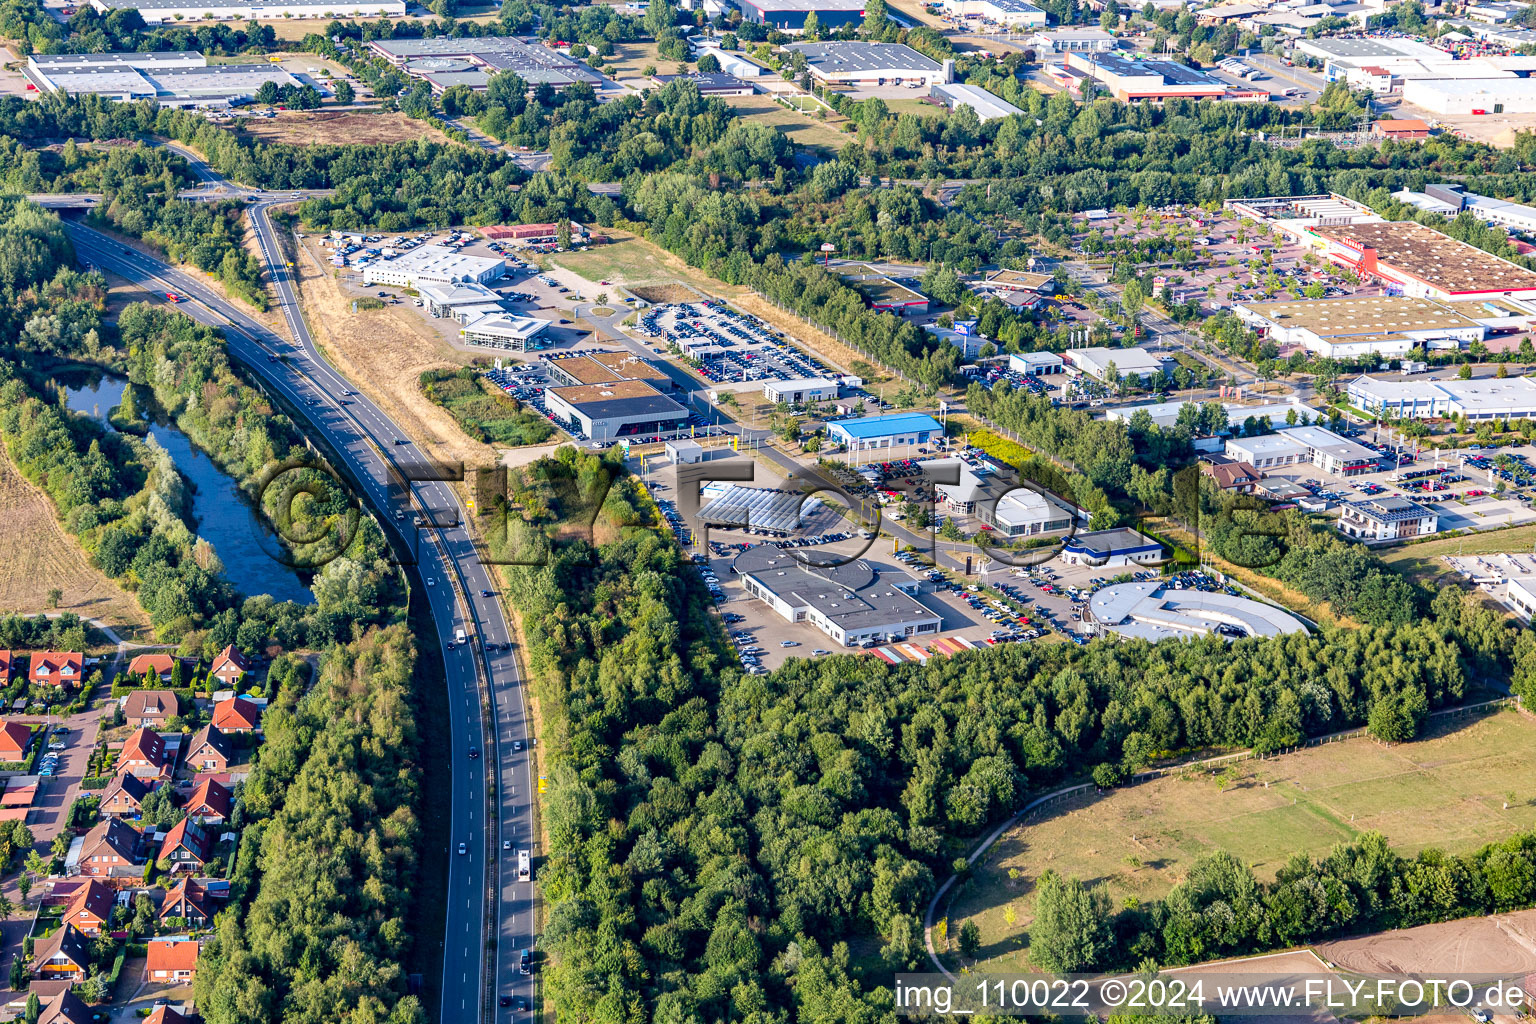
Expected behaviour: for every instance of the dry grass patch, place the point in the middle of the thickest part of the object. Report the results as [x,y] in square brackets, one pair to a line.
[803,129]
[340,127]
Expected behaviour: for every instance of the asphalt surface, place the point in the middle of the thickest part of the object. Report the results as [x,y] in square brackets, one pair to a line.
[482,880]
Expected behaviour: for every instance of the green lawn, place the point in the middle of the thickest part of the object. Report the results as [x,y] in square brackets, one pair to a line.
[803,129]
[483,411]
[1423,561]
[1447,790]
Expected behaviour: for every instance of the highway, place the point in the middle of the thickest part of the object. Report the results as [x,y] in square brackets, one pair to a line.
[481,880]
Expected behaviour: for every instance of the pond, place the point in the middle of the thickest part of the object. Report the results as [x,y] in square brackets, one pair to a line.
[224,516]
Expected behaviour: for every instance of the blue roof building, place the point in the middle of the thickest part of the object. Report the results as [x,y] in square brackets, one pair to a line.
[885,431]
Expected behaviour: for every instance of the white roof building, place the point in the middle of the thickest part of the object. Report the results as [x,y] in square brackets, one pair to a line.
[1011,14]
[1468,96]
[1095,362]
[859,63]
[1154,611]
[433,264]
[157,11]
[171,79]
[987,106]
[1386,325]
[1487,398]
[800,390]
[504,331]
[1073,40]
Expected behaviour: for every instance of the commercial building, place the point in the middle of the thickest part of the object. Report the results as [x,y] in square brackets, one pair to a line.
[448,300]
[1024,512]
[446,61]
[856,64]
[1036,364]
[1488,398]
[1154,611]
[1335,455]
[1422,261]
[1111,549]
[1010,14]
[156,11]
[789,15]
[850,603]
[731,63]
[601,367]
[684,453]
[718,84]
[987,106]
[1385,325]
[800,390]
[1073,40]
[1358,52]
[623,408]
[1387,518]
[1296,216]
[1098,362]
[1449,200]
[885,295]
[170,79]
[1149,81]
[872,432]
[1166,414]
[433,264]
[505,331]
[1019,290]
[1472,96]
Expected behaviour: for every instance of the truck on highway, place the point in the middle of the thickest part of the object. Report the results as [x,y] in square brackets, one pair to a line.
[524,872]
[172,297]
[458,635]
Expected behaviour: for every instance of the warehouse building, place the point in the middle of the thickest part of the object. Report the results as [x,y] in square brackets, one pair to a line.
[801,390]
[157,11]
[1098,362]
[1359,52]
[1153,611]
[1036,364]
[1453,96]
[1422,261]
[170,79]
[1073,40]
[1488,398]
[1385,325]
[1290,446]
[719,84]
[873,432]
[1012,15]
[1166,414]
[1139,81]
[731,63]
[1387,518]
[447,61]
[789,15]
[1449,200]
[433,264]
[987,106]
[850,603]
[626,408]
[856,64]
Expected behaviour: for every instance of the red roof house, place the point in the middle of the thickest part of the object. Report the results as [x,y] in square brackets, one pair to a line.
[187,846]
[56,668]
[15,740]
[210,803]
[150,707]
[124,796]
[91,909]
[171,961]
[159,664]
[188,900]
[111,850]
[144,755]
[230,666]
[237,715]
[7,663]
[210,750]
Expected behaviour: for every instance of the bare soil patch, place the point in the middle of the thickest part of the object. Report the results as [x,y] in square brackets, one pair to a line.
[1501,944]
[341,127]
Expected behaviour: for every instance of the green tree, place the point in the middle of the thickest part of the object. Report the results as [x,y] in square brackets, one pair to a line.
[1069,933]
[345,93]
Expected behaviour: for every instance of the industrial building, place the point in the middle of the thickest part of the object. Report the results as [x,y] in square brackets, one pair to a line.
[171,79]
[1488,398]
[1450,200]
[789,15]
[885,295]
[1012,15]
[987,106]
[1073,40]
[1453,96]
[852,603]
[1166,414]
[1036,364]
[1387,518]
[800,390]
[626,408]
[433,264]
[447,61]
[731,63]
[1385,325]
[504,331]
[872,432]
[719,84]
[1290,446]
[1358,52]
[1422,261]
[1097,362]
[156,11]
[856,63]
[1153,81]
[603,367]
[1153,611]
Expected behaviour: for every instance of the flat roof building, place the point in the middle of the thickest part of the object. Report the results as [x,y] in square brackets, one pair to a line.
[987,106]
[1338,456]
[1134,81]
[1096,362]
[1487,398]
[1113,549]
[872,432]
[1017,289]
[1036,364]
[446,61]
[683,452]
[1472,95]
[717,84]
[433,264]
[1386,325]
[1073,40]
[504,331]
[1387,518]
[801,390]
[1024,512]
[856,63]
[1154,611]
[885,295]
[625,408]
[1422,261]
[850,603]
[790,15]
[445,300]
[170,79]
[1367,51]
[157,11]
[1010,14]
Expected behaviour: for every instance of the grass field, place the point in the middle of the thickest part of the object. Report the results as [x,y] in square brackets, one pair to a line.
[1423,561]
[630,259]
[36,555]
[485,413]
[804,130]
[341,127]
[630,59]
[1448,790]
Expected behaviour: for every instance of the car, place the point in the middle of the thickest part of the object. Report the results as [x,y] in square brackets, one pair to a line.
[517,744]
[789,643]
[463,848]
[506,1000]
[1481,1015]
[522,1004]
[506,844]
[485,593]
[474,752]
[431,582]
[818,652]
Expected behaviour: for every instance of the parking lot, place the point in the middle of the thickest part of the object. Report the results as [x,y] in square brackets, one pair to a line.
[730,346]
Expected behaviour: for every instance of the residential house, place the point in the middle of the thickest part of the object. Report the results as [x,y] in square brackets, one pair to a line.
[144,755]
[171,962]
[7,665]
[237,715]
[210,803]
[91,909]
[15,741]
[56,668]
[64,954]
[166,1015]
[1231,474]
[189,901]
[210,750]
[230,666]
[187,846]
[66,1008]
[124,796]
[161,665]
[111,850]
[150,708]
